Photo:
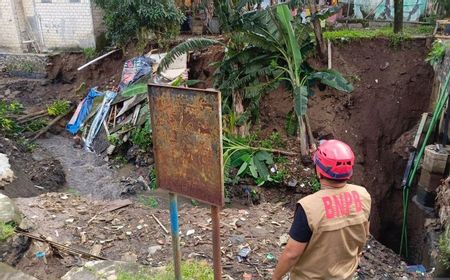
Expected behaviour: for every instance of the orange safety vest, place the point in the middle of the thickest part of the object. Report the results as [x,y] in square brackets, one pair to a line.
[338,220]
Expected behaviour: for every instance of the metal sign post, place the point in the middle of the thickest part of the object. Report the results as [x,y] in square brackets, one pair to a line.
[175,231]
[187,144]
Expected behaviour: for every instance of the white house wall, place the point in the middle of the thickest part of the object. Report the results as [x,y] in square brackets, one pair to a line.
[9,33]
[65,23]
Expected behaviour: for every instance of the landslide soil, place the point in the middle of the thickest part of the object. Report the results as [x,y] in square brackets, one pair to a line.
[392,88]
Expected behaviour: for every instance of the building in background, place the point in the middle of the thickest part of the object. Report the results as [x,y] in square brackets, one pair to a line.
[45,25]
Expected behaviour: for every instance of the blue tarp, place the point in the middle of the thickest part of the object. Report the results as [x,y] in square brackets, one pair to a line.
[82,112]
[99,118]
[134,69]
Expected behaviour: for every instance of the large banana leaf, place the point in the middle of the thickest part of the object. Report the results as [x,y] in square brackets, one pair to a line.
[301,100]
[285,20]
[185,47]
[332,79]
[133,90]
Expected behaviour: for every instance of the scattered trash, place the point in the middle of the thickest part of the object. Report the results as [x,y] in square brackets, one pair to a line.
[190,232]
[270,257]
[69,221]
[283,239]
[40,255]
[292,183]
[153,249]
[243,254]
[417,269]
[82,111]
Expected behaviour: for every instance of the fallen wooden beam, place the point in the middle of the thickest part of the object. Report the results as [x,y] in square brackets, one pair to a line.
[62,247]
[52,123]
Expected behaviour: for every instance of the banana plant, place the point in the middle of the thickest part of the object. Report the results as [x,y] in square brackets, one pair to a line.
[266,47]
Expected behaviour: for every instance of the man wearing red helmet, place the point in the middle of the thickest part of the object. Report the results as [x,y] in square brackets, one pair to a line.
[330,226]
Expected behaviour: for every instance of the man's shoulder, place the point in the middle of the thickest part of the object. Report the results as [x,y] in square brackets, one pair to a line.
[360,189]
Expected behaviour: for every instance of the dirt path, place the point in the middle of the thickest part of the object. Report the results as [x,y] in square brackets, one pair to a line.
[131,234]
[86,173]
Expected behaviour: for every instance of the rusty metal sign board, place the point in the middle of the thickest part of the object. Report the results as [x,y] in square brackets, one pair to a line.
[187,141]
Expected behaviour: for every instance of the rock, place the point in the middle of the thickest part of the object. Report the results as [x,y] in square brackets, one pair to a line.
[8,210]
[108,270]
[385,66]
[153,249]
[6,173]
[283,239]
[292,183]
[8,272]
[7,92]
[27,224]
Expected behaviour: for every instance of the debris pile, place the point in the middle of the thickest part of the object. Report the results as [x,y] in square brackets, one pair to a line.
[108,120]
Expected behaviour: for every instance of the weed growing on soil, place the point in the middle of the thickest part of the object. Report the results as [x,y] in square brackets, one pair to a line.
[58,108]
[89,53]
[120,160]
[437,53]
[7,124]
[35,125]
[444,248]
[142,137]
[273,141]
[25,66]
[384,32]
[6,231]
[314,183]
[148,201]
[153,183]
[114,140]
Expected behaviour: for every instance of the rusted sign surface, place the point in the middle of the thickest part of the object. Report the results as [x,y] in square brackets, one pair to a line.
[187,141]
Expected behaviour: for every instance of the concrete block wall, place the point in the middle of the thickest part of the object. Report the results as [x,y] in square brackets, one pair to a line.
[97,18]
[9,33]
[66,23]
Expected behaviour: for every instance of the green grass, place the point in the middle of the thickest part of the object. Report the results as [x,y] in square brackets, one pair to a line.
[6,231]
[148,201]
[190,270]
[383,32]
[444,248]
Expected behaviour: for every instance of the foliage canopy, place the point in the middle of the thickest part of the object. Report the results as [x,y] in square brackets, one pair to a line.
[126,20]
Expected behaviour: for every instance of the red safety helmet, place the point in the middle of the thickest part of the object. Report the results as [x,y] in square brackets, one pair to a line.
[334,160]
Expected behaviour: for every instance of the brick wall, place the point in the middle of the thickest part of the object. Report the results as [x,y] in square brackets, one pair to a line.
[66,23]
[9,36]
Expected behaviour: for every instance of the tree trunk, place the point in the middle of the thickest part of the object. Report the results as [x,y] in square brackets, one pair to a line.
[398,16]
[238,109]
[302,137]
[209,10]
[320,43]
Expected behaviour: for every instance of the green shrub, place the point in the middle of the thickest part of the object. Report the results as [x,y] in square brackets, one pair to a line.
[7,124]
[59,107]
[6,231]
[437,53]
[142,136]
[140,19]
[89,53]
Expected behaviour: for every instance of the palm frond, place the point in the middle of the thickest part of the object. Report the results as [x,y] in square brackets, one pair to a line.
[185,47]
